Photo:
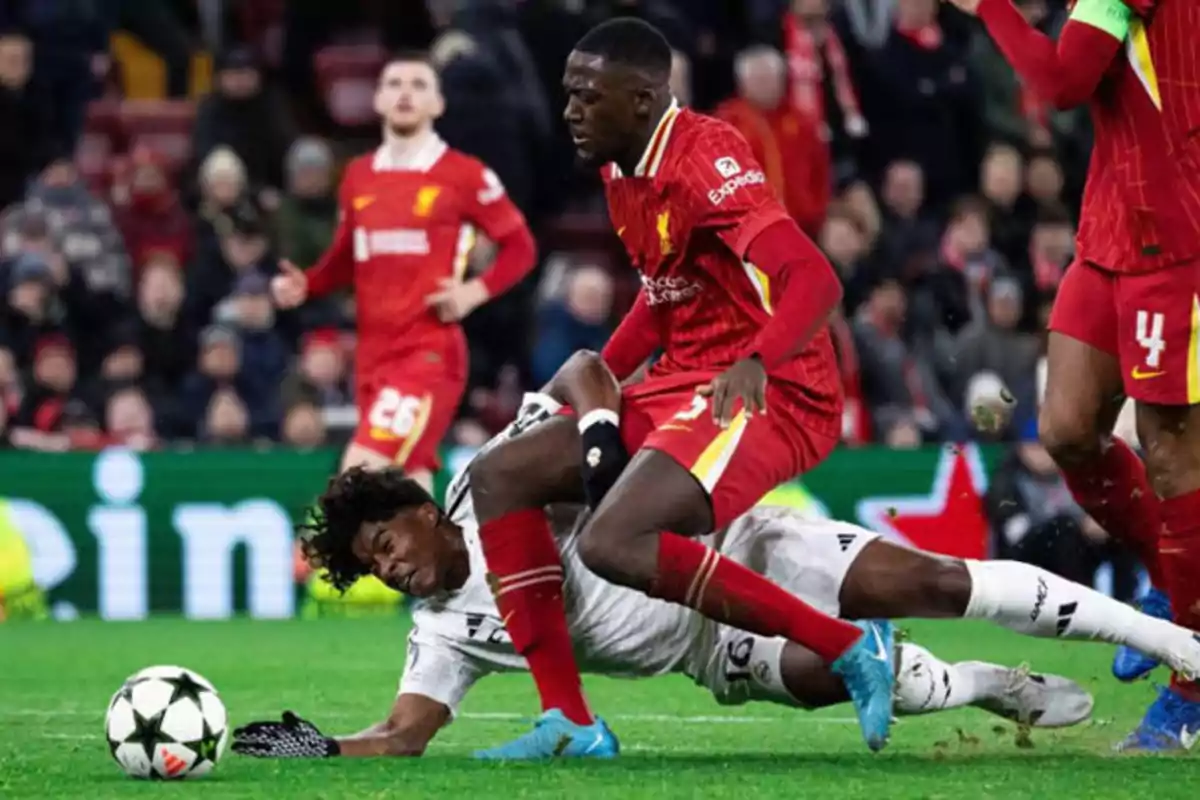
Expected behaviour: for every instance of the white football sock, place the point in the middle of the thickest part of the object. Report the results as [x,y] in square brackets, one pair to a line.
[1032,601]
[925,683]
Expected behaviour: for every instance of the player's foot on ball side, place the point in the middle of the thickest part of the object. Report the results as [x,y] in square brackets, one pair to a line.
[1171,724]
[1028,698]
[1129,664]
[869,670]
[555,736]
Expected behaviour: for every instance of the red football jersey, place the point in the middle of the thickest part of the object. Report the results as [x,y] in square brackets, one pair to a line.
[687,217]
[1141,206]
[403,228]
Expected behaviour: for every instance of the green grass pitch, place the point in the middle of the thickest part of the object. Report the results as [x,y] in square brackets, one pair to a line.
[56,679]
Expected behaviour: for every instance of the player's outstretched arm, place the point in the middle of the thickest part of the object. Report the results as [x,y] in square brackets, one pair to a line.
[412,724]
[1065,74]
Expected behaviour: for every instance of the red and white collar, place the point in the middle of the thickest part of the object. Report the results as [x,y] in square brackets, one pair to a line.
[652,158]
[416,156]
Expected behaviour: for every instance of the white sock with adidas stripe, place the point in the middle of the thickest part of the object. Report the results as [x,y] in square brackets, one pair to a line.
[1035,602]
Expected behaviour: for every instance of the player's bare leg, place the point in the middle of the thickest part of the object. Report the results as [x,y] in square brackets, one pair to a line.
[925,683]
[510,487]
[627,543]
[1084,394]
[889,581]
[1171,437]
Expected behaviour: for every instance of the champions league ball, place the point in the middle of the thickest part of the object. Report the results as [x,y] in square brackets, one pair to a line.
[166,723]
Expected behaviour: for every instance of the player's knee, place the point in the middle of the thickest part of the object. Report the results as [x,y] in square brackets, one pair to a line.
[618,559]
[1071,438]
[1170,436]
[600,555]
[945,587]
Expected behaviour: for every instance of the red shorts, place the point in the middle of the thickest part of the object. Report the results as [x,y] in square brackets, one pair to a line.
[738,465]
[1149,322]
[405,409]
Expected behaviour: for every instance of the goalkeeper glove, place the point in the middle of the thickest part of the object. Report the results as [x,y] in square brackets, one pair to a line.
[604,454]
[291,737]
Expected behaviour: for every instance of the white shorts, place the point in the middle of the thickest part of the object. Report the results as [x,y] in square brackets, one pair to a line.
[808,558]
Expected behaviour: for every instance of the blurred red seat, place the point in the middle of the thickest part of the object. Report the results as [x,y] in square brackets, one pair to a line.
[346,77]
[162,126]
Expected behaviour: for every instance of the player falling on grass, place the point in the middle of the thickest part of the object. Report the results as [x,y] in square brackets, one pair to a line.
[1127,317]
[409,212]
[744,397]
[382,524]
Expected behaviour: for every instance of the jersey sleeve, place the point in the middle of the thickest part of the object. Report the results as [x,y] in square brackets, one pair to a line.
[487,204]
[335,268]
[727,190]
[434,668]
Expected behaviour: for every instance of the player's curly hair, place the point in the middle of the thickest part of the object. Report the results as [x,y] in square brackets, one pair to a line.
[356,496]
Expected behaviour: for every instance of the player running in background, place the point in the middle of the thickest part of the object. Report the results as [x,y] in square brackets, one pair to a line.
[1127,317]
[744,397]
[409,213]
[378,522]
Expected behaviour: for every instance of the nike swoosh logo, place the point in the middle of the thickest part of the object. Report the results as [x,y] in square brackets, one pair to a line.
[1137,374]
[880,653]
[1188,738]
[598,741]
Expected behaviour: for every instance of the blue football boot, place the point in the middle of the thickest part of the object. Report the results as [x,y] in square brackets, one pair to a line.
[869,671]
[555,736]
[1171,724]
[1129,664]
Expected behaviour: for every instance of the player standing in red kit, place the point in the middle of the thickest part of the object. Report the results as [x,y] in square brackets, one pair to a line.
[1127,317]
[409,212]
[744,398]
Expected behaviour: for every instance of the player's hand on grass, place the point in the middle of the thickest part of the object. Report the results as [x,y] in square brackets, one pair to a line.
[966,6]
[746,381]
[291,737]
[289,288]
[456,299]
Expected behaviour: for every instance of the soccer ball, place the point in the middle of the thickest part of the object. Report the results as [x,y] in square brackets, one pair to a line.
[166,723]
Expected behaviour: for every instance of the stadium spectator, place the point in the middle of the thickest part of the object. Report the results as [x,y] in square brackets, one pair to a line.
[129,419]
[845,245]
[149,213]
[303,426]
[1051,248]
[54,375]
[1044,179]
[219,371]
[786,142]
[1001,181]
[33,308]
[308,211]
[993,342]
[25,141]
[906,227]
[243,248]
[924,90]
[321,376]
[576,321]
[954,288]
[246,116]
[264,353]
[226,420]
[167,343]
[821,83]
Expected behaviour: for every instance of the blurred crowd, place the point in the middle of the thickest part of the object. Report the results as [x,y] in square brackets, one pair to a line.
[139,233]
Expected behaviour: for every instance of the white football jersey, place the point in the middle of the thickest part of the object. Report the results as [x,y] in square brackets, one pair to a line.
[458,638]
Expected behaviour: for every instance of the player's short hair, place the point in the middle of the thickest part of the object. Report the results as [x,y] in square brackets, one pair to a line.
[409,56]
[356,496]
[631,42]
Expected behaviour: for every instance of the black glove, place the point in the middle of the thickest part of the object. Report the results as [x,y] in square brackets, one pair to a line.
[604,457]
[291,737]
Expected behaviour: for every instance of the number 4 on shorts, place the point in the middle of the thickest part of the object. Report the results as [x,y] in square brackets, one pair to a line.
[1150,337]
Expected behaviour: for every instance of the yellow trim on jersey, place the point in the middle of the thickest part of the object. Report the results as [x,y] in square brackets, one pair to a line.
[762,285]
[1138,47]
[462,251]
[648,164]
[418,430]
[1193,356]
[716,457]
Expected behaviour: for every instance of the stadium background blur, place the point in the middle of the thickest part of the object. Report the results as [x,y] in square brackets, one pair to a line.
[158,158]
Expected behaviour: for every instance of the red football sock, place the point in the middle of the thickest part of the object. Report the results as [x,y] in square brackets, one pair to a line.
[1179,554]
[694,575]
[526,575]
[1115,491]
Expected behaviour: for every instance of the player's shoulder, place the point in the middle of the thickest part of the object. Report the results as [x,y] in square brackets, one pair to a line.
[462,167]
[359,169]
[707,149]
